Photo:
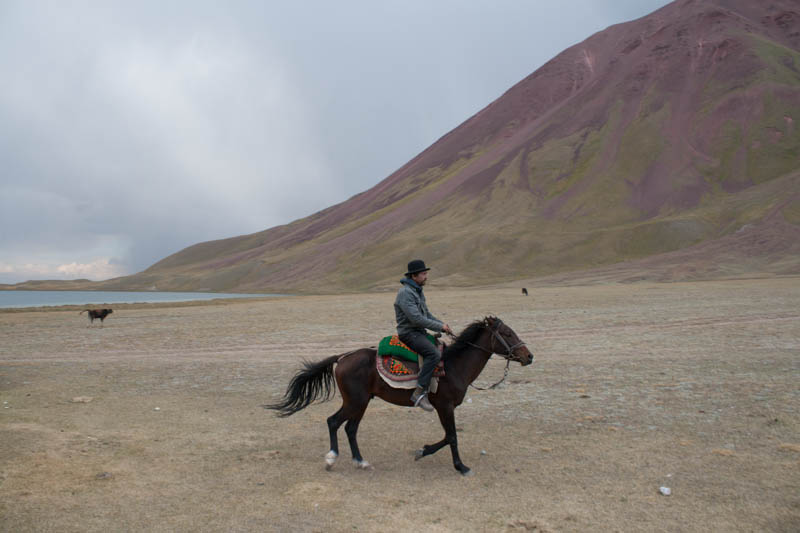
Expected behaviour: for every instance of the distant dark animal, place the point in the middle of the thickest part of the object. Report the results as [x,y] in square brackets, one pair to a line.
[524,291]
[357,377]
[97,313]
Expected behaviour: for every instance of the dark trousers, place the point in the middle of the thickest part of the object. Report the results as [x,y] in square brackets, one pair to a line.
[430,355]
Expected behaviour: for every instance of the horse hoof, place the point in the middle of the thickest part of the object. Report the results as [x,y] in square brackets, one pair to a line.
[330,460]
[468,473]
[419,454]
[363,465]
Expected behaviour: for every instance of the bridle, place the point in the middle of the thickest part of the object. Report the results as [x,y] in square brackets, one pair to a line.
[508,356]
[495,331]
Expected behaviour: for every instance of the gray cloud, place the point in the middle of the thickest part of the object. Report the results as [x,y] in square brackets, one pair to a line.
[131,130]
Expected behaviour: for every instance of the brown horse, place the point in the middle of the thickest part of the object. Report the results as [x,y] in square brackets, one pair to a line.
[358,381]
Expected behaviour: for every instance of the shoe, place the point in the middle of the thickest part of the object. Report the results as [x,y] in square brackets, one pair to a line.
[420,399]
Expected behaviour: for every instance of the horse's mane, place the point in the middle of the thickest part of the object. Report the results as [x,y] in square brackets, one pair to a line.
[465,338]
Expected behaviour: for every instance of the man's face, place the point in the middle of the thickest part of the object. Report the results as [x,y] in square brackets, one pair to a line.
[420,277]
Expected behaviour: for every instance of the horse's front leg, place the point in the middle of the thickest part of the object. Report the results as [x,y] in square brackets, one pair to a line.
[429,449]
[447,418]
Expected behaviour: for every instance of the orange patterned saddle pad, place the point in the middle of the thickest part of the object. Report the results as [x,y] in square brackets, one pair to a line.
[401,370]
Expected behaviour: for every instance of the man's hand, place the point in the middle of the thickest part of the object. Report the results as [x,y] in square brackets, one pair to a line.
[446,329]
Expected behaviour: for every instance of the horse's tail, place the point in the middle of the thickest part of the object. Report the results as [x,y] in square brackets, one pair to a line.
[314,381]
[83,311]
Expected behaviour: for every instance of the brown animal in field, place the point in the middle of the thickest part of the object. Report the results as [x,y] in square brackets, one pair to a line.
[97,313]
[524,291]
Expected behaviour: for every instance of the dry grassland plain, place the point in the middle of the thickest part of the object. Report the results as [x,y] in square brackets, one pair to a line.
[153,422]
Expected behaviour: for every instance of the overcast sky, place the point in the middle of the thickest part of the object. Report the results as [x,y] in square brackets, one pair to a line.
[130,130]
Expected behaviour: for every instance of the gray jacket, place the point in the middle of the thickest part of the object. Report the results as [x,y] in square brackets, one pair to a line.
[411,310]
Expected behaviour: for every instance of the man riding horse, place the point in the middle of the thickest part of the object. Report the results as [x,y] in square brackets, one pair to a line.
[413,318]
[356,373]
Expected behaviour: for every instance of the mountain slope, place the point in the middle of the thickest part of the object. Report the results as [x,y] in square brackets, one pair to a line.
[656,135]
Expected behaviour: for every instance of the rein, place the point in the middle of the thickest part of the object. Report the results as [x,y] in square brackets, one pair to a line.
[505,374]
[507,356]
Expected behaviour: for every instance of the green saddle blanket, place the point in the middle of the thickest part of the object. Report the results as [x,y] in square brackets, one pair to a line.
[392,345]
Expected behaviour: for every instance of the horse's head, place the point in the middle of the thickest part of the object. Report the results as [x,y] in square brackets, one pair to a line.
[506,343]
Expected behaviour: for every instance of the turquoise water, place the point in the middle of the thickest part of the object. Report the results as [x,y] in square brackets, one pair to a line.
[99,298]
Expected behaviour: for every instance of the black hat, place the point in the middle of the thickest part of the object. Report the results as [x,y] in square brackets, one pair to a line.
[416,266]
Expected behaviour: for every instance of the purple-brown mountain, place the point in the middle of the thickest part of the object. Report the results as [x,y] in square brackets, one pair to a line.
[671,142]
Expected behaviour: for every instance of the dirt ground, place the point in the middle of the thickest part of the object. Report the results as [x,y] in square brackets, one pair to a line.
[153,422]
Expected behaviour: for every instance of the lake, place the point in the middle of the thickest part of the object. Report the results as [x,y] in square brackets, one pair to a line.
[99,298]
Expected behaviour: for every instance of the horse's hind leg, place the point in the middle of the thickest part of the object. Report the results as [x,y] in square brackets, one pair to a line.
[351,428]
[334,421]
[353,420]
[352,376]
[353,412]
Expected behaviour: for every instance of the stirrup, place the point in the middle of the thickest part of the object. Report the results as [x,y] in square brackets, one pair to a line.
[421,400]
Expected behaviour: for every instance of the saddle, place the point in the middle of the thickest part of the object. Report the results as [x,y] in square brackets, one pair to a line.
[392,345]
[399,365]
